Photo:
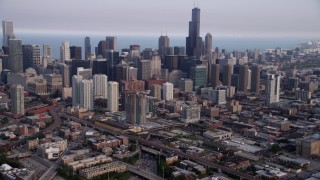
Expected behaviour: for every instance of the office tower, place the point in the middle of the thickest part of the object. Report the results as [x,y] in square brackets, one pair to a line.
[17,99]
[36,57]
[85,73]
[99,66]
[121,71]
[113,59]
[136,106]
[179,50]
[100,86]
[227,72]
[168,51]
[75,52]
[7,30]
[235,80]
[167,91]
[15,55]
[144,70]
[243,78]
[87,47]
[215,72]
[217,96]
[102,48]
[113,96]
[75,64]
[65,51]
[54,83]
[171,62]
[76,90]
[208,44]
[86,94]
[65,72]
[135,47]
[194,41]
[255,79]
[164,42]
[185,85]
[273,89]
[155,91]
[249,79]
[46,51]
[27,56]
[155,66]
[198,75]
[111,43]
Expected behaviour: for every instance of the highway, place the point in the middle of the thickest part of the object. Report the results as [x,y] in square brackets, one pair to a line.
[168,149]
[142,172]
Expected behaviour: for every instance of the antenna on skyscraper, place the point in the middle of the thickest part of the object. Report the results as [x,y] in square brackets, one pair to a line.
[161,32]
[166,33]
[194,3]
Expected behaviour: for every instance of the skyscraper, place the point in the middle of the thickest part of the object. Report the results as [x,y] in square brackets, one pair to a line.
[46,51]
[164,42]
[156,91]
[87,47]
[75,52]
[227,72]
[155,66]
[100,86]
[208,44]
[194,41]
[111,43]
[113,96]
[243,78]
[17,100]
[198,75]
[65,51]
[36,57]
[167,91]
[273,89]
[7,30]
[255,79]
[179,50]
[15,55]
[86,94]
[144,70]
[215,72]
[27,56]
[136,106]
[112,60]
[76,80]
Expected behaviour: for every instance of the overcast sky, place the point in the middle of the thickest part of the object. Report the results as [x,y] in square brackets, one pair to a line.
[263,18]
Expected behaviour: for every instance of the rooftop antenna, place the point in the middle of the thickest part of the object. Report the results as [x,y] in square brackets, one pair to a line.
[161,32]
[194,3]
[166,33]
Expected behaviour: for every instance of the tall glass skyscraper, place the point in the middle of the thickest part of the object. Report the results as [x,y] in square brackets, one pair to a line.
[194,41]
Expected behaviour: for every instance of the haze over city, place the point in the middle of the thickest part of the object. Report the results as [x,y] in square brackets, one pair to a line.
[245,18]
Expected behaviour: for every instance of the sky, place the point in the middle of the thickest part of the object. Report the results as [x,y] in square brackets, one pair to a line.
[235,18]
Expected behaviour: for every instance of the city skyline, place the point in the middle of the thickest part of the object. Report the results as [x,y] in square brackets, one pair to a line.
[247,18]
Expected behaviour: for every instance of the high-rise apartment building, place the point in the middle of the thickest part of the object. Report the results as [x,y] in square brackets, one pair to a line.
[136,106]
[227,72]
[17,100]
[155,66]
[255,79]
[100,86]
[65,51]
[208,44]
[76,80]
[7,30]
[15,55]
[194,41]
[46,51]
[87,47]
[113,96]
[215,73]
[243,78]
[155,91]
[86,94]
[217,96]
[273,89]
[167,91]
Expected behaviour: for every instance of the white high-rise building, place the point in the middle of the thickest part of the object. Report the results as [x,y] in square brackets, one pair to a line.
[273,89]
[7,30]
[113,96]
[76,90]
[100,86]
[86,94]
[65,51]
[155,64]
[17,100]
[217,96]
[167,91]
[46,51]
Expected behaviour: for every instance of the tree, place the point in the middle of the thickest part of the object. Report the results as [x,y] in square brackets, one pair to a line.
[275,148]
